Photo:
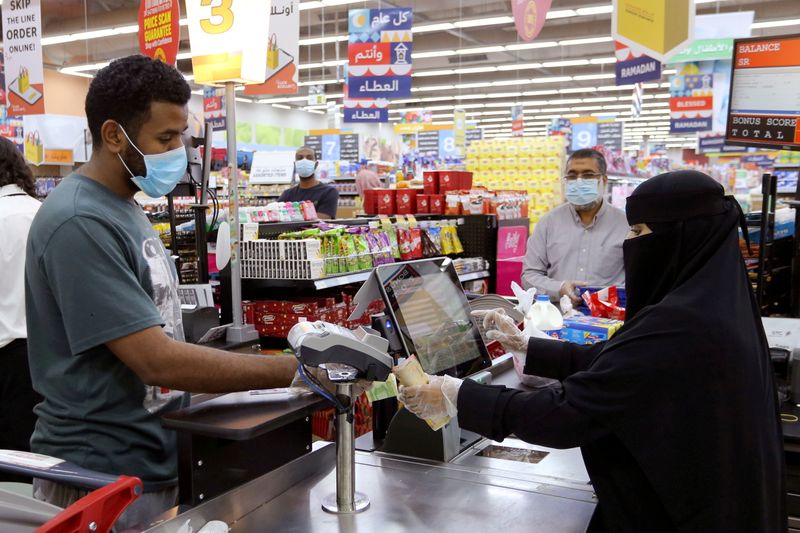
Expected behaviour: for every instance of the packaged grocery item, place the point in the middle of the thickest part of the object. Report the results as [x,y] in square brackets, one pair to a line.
[448,180]
[458,248]
[448,247]
[545,317]
[437,204]
[604,303]
[371,201]
[386,201]
[434,233]
[406,201]
[362,251]
[409,373]
[465,180]
[390,232]
[452,204]
[423,203]
[430,182]
[589,329]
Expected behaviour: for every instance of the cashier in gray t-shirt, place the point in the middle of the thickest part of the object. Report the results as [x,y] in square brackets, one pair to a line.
[578,243]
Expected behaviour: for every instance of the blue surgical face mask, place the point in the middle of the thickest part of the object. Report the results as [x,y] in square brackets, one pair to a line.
[305,168]
[580,192]
[164,171]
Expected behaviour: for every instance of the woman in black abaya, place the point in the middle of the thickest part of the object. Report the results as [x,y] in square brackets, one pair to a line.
[677,415]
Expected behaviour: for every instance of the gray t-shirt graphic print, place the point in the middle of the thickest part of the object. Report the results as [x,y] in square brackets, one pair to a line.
[96,271]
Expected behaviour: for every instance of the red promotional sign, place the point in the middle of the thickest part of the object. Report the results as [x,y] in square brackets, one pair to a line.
[370,54]
[159,29]
[529,17]
[691,103]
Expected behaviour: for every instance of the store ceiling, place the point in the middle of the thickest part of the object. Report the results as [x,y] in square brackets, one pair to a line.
[466,54]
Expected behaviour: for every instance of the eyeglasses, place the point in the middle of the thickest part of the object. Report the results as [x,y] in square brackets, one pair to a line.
[584,176]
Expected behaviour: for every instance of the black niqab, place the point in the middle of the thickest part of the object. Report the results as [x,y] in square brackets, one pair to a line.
[686,386]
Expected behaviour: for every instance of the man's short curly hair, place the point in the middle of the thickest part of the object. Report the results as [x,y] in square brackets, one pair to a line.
[13,169]
[124,90]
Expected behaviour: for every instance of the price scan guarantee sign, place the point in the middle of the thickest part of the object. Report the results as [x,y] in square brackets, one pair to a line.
[159,29]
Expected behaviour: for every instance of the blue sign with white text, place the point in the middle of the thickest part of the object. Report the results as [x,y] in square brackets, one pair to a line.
[447,143]
[584,135]
[330,147]
[638,70]
[378,20]
[689,125]
[375,87]
[366,115]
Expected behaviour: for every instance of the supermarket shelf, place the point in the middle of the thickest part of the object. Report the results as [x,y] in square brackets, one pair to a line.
[335,281]
[471,276]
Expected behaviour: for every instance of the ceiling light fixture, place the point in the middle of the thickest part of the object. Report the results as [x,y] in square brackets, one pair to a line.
[489,21]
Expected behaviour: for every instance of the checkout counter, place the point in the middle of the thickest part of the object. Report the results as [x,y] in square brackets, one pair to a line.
[414,479]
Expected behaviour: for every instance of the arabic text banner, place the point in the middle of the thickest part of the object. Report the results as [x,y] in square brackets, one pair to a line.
[214,108]
[22,33]
[283,50]
[379,60]
[358,114]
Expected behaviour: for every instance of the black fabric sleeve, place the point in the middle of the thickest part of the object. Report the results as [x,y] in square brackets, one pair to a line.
[544,417]
[559,360]
[284,197]
[329,202]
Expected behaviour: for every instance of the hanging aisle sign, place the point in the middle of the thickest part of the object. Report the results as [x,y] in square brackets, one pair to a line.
[691,103]
[229,40]
[658,28]
[283,50]
[214,108]
[517,120]
[379,61]
[159,29]
[529,17]
[22,42]
[635,67]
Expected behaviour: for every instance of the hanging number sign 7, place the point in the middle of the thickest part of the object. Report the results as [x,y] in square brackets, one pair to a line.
[221,36]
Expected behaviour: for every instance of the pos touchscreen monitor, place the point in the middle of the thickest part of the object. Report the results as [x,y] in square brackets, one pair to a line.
[432,314]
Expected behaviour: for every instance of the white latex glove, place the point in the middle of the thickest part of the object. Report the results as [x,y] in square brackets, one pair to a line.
[569,288]
[438,398]
[501,327]
[567,309]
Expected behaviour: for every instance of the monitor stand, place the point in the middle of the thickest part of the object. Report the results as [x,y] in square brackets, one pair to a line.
[410,436]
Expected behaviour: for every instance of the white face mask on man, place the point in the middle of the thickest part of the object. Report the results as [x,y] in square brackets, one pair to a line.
[305,168]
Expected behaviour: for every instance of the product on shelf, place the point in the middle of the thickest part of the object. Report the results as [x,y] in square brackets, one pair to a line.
[330,249]
[274,318]
[531,164]
[278,212]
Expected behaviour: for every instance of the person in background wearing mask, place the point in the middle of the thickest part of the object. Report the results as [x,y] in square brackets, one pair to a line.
[367,179]
[578,243]
[18,205]
[324,197]
[105,336]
